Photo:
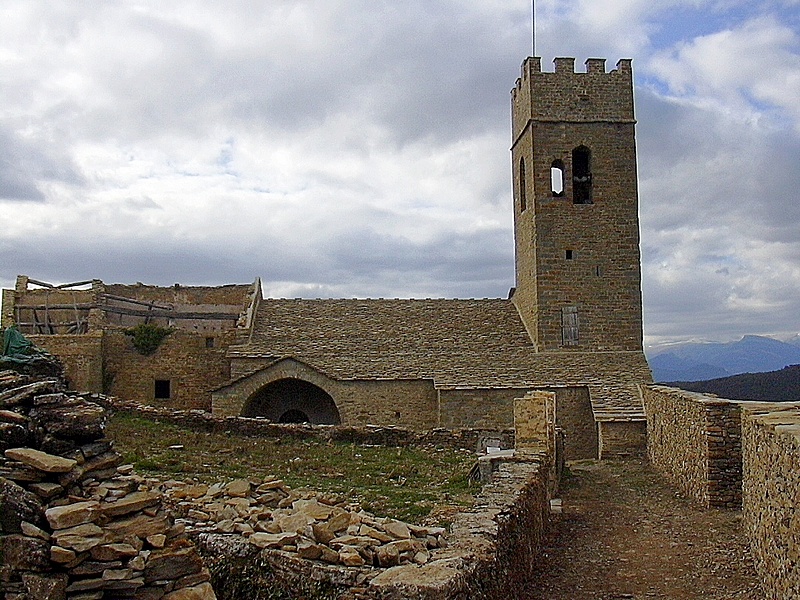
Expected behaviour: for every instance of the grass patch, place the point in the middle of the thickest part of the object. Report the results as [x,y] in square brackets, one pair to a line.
[411,484]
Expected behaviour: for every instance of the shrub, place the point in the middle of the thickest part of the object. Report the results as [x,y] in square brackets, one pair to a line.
[147,337]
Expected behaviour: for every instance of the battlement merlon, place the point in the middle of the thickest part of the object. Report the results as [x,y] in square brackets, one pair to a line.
[563,95]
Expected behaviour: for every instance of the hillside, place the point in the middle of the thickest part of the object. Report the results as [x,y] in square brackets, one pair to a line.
[696,361]
[777,386]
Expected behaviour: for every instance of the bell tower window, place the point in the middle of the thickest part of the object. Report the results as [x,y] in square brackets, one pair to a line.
[582,175]
[522,184]
[557,178]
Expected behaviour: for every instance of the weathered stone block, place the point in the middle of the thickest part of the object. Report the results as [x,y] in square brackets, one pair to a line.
[172,564]
[24,553]
[18,505]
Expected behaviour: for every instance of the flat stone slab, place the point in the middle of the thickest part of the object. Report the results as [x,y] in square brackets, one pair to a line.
[49,463]
[130,503]
[69,515]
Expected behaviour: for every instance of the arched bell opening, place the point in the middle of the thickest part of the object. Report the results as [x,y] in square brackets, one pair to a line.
[293,401]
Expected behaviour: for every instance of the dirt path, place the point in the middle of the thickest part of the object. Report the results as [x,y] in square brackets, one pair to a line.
[624,533]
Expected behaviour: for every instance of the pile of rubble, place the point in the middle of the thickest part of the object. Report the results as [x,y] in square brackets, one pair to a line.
[74,524]
[310,525]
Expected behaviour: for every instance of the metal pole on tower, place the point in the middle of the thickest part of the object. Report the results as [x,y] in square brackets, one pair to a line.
[533,27]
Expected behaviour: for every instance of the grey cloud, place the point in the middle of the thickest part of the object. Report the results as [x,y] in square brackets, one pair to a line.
[355,262]
[24,165]
[416,77]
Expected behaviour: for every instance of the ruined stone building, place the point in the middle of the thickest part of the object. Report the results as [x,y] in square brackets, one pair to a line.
[572,324]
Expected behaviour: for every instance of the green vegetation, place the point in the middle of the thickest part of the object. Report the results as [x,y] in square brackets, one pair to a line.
[147,337]
[411,484]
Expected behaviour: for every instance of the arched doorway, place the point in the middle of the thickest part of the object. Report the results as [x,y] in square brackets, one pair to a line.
[293,401]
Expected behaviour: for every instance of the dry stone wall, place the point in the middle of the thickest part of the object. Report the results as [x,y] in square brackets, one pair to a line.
[313,548]
[695,440]
[771,502]
[74,523]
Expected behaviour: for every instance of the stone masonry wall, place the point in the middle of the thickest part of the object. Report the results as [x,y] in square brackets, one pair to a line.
[405,403]
[477,408]
[574,416]
[695,440]
[731,453]
[81,356]
[474,439]
[182,359]
[771,502]
[619,438]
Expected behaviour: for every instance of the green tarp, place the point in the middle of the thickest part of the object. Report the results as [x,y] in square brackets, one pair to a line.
[17,348]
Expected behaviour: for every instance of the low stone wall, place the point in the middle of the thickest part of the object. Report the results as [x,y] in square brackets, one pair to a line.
[468,439]
[730,453]
[490,554]
[695,440]
[771,502]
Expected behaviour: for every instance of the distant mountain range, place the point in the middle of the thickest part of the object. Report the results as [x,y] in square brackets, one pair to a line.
[776,386]
[701,361]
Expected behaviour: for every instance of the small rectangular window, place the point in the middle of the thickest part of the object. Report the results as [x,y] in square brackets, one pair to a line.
[569,326]
[209,342]
[569,254]
[162,389]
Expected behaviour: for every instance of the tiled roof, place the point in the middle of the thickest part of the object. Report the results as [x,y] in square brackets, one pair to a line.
[448,340]
[456,343]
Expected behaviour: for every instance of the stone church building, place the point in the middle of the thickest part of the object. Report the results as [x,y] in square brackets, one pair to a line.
[572,324]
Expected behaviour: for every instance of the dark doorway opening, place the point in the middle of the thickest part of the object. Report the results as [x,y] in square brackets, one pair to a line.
[293,416]
[293,401]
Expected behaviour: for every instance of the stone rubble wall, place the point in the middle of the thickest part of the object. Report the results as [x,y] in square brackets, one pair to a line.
[77,525]
[695,441]
[771,502]
[313,548]
[468,439]
[74,523]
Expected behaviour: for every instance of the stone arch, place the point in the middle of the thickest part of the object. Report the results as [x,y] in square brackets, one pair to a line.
[292,400]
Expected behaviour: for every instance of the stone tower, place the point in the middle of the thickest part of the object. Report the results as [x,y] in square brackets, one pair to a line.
[576,224]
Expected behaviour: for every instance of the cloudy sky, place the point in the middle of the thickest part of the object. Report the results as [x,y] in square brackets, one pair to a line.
[340,148]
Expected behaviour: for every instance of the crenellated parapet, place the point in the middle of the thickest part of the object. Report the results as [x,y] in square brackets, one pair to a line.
[564,95]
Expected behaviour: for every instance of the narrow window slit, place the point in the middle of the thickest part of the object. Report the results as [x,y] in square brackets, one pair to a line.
[557,178]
